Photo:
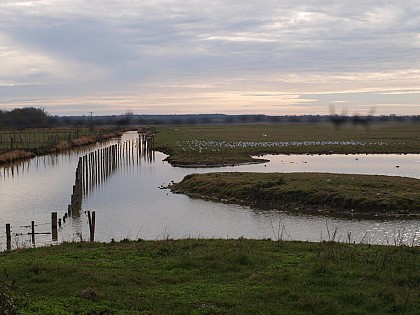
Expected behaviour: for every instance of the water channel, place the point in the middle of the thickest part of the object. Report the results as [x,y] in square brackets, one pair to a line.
[131,204]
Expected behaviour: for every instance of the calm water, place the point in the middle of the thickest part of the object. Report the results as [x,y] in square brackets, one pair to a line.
[130,203]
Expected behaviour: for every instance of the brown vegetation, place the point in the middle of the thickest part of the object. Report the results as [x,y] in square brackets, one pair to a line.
[83,141]
[31,142]
[15,155]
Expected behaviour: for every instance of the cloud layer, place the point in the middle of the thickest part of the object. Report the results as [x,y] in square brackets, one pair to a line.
[272,57]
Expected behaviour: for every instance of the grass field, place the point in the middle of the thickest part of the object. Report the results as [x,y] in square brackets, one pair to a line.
[212,277]
[336,193]
[23,143]
[231,144]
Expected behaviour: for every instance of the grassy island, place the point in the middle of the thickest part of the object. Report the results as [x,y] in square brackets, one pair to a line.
[210,277]
[235,144]
[360,194]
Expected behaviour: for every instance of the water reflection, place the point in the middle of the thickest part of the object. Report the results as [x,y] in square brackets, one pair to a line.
[129,203]
[54,160]
[98,166]
[405,165]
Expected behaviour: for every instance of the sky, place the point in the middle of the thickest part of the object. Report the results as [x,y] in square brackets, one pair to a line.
[216,56]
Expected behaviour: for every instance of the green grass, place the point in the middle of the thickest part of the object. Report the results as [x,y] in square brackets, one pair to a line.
[214,277]
[224,144]
[372,194]
[47,140]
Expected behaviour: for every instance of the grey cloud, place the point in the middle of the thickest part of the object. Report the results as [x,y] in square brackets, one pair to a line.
[335,34]
[154,41]
[79,39]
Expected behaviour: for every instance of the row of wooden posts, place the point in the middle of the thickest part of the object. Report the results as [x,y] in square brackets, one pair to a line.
[92,169]
[56,223]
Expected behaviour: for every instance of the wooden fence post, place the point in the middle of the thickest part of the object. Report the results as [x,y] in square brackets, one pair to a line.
[8,237]
[33,232]
[93,225]
[54,226]
[92,220]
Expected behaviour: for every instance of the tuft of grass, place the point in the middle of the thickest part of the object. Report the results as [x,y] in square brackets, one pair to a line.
[368,194]
[198,276]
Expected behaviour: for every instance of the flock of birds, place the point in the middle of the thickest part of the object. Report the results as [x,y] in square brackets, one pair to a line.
[200,145]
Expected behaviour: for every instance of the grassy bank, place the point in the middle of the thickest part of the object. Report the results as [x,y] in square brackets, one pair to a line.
[213,277]
[229,144]
[369,194]
[14,156]
[15,145]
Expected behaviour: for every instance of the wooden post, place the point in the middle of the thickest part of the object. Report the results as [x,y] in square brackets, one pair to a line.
[86,173]
[90,224]
[93,226]
[54,226]
[33,232]
[92,220]
[8,237]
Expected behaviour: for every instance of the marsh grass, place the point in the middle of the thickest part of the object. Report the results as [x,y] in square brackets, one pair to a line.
[197,276]
[14,155]
[368,194]
[30,142]
[234,144]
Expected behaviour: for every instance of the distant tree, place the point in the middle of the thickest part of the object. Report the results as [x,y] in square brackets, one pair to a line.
[192,121]
[258,118]
[243,118]
[274,119]
[229,119]
[415,118]
[27,117]
[204,120]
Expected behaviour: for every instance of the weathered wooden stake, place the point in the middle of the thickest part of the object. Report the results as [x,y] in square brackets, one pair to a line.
[8,237]
[33,232]
[54,226]
[93,226]
[92,220]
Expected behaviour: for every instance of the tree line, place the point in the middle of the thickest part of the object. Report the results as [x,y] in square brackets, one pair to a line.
[27,117]
[30,117]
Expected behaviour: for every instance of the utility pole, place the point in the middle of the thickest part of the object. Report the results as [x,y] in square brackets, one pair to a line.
[91,120]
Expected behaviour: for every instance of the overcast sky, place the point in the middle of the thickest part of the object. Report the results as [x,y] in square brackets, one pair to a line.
[279,57]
